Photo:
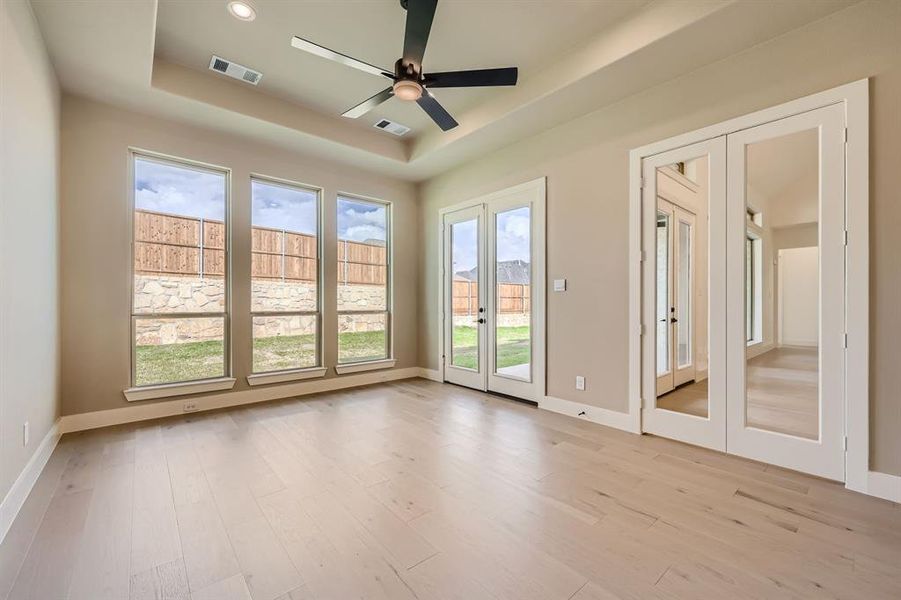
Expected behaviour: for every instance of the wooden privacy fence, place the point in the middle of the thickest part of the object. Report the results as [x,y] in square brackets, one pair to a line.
[512,297]
[174,245]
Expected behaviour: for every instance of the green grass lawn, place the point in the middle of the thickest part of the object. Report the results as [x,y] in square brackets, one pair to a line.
[200,360]
[513,346]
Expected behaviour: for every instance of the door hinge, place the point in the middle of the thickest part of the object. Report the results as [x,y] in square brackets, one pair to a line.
[845,341]
[846,135]
[641,182]
[641,256]
[845,443]
[846,237]
[640,329]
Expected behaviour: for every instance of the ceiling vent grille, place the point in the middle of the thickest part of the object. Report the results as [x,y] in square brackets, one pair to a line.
[391,127]
[234,70]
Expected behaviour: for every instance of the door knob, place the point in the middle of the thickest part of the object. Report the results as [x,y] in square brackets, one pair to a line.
[481,320]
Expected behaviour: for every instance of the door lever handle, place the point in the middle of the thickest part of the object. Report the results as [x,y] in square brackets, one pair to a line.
[674,320]
[481,320]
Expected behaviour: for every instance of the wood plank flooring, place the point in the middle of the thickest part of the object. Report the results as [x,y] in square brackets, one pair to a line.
[419,490]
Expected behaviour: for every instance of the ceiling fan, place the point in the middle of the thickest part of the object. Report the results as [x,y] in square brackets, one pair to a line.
[410,83]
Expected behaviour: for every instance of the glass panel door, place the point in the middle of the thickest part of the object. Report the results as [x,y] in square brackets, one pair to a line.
[684,203]
[786,365]
[513,293]
[465,307]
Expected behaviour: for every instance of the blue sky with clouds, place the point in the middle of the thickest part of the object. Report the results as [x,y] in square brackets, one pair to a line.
[513,239]
[361,221]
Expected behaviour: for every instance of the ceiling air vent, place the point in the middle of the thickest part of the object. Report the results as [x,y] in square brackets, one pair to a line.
[235,70]
[391,127]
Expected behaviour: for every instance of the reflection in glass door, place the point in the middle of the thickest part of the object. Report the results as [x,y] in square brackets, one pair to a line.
[786,227]
[684,200]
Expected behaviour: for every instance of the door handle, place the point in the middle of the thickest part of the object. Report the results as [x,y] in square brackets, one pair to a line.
[481,320]
[673,320]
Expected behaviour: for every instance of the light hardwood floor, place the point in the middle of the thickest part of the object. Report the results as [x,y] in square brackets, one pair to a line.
[782,393]
[422,490]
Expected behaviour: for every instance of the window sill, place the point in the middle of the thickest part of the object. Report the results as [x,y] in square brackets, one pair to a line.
[285,376]
[167,390]
[370,365]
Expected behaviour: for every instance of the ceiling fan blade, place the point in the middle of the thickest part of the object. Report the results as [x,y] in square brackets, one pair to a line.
[474,78]
[366,105]
[323,52]
[419,23]
[431,106]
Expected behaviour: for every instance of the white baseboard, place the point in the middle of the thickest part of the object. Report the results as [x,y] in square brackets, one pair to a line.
[143,412]
[432,374]
[883,485]
[19,491]
[595,414]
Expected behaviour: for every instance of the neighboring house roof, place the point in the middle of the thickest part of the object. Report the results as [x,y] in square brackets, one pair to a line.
[508,271]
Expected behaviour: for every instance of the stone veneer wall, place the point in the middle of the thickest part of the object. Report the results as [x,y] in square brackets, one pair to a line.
[174,294]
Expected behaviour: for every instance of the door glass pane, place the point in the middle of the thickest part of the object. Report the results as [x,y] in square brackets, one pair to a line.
[465,294]
[513,293]
[681,304]
[663,226]
[782,285]
[684,305]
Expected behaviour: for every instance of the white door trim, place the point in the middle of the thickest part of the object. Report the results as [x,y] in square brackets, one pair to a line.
[537,187]
[855,99]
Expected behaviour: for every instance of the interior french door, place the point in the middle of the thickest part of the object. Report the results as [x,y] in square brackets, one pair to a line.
[684,217]
[767,292]
[786,404]
[493,293]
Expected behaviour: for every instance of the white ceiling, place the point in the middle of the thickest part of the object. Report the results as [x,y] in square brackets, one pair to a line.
[576,56]
[529,34]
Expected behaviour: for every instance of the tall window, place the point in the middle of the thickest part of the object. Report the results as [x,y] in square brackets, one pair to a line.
[180,298]
[364,280]
[285,276]
[753,288]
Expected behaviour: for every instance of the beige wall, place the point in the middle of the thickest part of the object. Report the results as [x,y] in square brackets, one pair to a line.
[29,298]
[586,164]
[95,238]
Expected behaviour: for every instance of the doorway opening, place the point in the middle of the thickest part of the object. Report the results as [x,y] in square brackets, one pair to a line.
[492,292]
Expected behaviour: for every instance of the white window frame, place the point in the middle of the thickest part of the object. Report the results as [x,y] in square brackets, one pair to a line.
[388,360]
[317,370]
[178,388]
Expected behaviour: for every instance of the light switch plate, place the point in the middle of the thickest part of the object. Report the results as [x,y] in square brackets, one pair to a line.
[580,383]
[559,285]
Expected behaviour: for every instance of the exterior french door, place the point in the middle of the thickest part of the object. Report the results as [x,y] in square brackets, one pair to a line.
[493,293]
[674,301]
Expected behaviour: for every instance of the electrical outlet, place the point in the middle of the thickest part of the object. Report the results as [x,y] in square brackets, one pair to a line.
[580,383]
[26,433]
[189,407]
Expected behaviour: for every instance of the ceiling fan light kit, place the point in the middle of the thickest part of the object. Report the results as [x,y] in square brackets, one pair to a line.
[410,83]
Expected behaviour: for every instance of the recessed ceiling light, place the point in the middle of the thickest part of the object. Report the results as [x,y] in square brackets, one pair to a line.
[242,11]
